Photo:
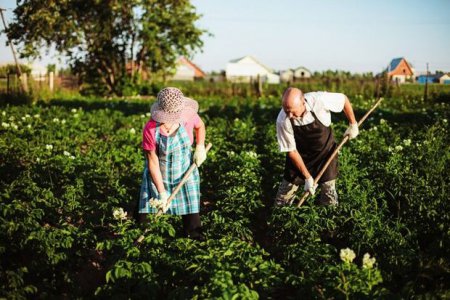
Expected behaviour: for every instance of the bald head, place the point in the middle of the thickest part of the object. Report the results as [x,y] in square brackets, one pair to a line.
[293,103]
[292,97]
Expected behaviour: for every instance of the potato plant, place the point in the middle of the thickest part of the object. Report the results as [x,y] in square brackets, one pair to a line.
[70,176]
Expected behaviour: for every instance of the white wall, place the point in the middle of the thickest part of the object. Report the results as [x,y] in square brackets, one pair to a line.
[298,73]
[184,73]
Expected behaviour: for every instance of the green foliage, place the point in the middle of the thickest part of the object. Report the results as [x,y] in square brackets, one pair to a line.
[67,165]
[101,37]
[9,69]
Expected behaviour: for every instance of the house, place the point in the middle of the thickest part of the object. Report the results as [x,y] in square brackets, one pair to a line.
[444,79]
[400,70]
[187,71]
[248,69]
[184,70]
[422,79]
[301,72]
[287,75]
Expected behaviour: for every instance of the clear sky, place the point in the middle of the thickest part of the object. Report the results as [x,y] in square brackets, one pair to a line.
[351,35]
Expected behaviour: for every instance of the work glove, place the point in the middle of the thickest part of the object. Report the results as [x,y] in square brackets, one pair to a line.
[309,186]
[199,154]
[352,131]
[164,204]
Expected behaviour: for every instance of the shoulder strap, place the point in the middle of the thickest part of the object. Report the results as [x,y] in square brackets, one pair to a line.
[312,111]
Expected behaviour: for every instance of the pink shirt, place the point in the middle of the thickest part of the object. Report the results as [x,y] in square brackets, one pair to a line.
[148,134]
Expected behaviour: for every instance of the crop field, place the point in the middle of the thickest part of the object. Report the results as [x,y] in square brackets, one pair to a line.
[67,165]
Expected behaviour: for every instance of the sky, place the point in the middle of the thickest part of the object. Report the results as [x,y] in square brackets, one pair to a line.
[351,35]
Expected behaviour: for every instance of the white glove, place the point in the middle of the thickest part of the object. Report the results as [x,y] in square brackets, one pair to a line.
[352,131]
[309,186]
[199,154]
[164,204]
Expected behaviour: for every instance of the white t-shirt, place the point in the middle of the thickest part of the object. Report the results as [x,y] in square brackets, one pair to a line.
[322,103]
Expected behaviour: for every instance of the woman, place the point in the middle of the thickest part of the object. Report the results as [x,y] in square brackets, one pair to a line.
[167,142]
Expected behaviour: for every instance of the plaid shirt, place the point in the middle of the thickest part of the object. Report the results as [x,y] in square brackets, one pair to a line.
[175,158]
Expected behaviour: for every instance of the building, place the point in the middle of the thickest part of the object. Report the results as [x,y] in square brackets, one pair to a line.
[422,79]
[187,71]
[399,70]
[291,75]
[301,73]
[184,70]
[444,79]
[287,75]
[248,69]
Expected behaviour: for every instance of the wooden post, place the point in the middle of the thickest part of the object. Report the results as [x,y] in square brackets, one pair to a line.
[7,83]
[23,79]
[260,88]
[50,80]
[425,96]
[23,83]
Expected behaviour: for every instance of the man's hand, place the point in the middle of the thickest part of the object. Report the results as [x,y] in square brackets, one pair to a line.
[199,154]
[309,186]
[163,198]
[352,131]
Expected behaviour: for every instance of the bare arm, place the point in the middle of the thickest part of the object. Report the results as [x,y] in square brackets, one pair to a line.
[295,157]
[348,111]
[200,133]
[155,171]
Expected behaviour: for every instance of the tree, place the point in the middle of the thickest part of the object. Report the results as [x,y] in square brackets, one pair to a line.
[109,42]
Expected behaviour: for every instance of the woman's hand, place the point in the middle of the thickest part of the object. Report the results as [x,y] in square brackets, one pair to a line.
[199,154]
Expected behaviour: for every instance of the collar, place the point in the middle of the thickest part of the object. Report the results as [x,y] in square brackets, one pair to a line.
[307,105]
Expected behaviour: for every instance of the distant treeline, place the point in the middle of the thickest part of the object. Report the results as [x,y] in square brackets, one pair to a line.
[362,87]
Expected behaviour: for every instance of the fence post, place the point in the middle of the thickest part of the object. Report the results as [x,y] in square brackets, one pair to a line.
[50,80]
[24,82]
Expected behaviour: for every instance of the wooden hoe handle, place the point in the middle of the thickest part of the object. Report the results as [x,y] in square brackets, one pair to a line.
[175,191]
[335,152]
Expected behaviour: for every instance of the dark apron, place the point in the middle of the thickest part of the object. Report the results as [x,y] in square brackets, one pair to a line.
[315,143]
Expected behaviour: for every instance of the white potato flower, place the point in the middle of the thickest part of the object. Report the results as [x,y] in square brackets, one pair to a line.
[119,214]
[156,203]
[347,255]
[66,153]
[49,147]
[56,120]
[132,131]
[6,125]
[368,262]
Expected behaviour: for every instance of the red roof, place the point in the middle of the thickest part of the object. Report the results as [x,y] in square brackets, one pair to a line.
[197,71]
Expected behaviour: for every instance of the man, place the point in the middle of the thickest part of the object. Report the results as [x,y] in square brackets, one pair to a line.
[304,133]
